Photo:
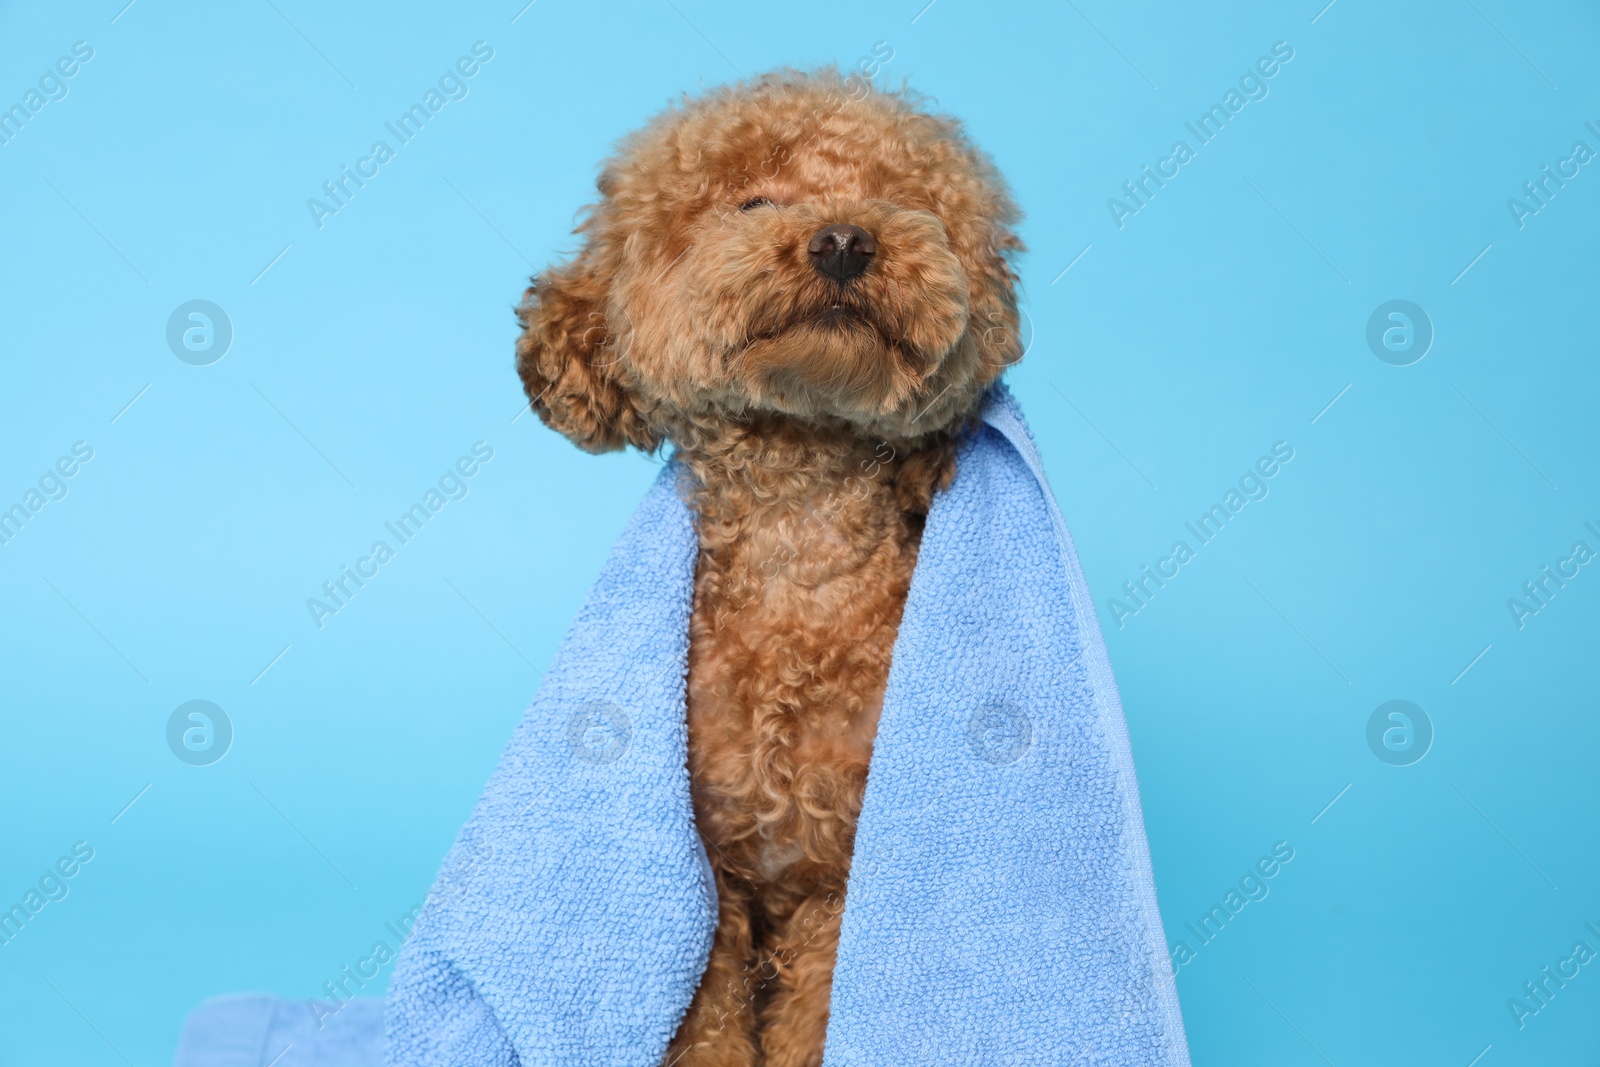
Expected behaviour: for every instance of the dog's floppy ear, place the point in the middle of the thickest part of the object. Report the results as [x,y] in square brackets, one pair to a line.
[567,358]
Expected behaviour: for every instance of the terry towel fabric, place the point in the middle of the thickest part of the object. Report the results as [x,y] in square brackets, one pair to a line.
[1000,907]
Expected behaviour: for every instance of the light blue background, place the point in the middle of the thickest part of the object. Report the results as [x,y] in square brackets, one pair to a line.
[1222,318]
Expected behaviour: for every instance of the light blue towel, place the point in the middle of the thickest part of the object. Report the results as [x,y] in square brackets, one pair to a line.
[1000,908]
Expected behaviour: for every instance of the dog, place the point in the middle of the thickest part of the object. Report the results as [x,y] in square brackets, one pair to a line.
[803,285]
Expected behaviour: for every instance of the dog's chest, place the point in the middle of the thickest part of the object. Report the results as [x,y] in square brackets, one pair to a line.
[790,646]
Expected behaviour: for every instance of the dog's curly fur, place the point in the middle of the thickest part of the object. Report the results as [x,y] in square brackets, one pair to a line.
[817,419]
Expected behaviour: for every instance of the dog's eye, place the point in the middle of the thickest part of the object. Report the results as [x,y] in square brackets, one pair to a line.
[755,202]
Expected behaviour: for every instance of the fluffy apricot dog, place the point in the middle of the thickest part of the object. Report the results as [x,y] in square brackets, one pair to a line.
[803,285]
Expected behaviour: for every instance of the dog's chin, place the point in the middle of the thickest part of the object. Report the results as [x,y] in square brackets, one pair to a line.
[836,362]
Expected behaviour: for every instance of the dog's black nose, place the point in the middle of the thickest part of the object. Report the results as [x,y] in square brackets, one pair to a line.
[841,251]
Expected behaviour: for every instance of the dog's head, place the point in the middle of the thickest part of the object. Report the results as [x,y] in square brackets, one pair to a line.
[803,244]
